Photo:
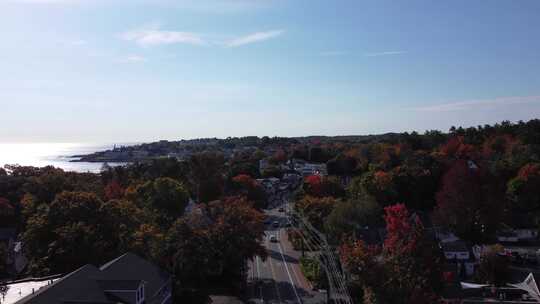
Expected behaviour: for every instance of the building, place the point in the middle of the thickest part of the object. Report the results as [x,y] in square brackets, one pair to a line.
[128,279]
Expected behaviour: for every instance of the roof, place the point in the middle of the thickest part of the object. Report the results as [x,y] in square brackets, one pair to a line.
[90,284]
[455,246]
[108,285]
[74,287]
[132,266]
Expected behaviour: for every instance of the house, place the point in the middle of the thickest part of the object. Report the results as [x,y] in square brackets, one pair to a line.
[458,257]
[128,279]
[514,235]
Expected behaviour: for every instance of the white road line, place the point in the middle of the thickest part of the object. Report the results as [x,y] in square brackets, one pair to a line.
[259,278]
[288,273]
[274,277]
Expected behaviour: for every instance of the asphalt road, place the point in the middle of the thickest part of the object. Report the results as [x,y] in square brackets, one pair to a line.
[279,279]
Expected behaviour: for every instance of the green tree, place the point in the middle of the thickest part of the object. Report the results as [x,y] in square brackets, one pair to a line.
[351,216]
[75,229]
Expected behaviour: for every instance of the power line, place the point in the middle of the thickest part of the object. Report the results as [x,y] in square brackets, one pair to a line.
[316,242]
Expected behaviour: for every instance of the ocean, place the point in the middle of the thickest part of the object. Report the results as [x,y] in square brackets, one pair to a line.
[51,154]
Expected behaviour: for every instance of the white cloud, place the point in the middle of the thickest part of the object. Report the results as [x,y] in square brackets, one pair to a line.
[386,53]
[481,103]
[151,37]
[252,38]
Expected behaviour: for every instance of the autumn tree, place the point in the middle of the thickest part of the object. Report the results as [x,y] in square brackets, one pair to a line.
[316,209]
[405,270]
[321,186]
[522,190]
[469,202]
[113,190]
[381,185]
[245,185]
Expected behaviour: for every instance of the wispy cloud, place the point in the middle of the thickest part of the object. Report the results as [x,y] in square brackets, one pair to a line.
[154,36]
[252,38]
[151,37]
[386,53]
[479,103]
[333,53]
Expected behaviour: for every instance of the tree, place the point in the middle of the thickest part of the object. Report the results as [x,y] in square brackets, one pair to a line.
[469,202]
[350,216]
[245,185]
[321,186]
[209,248]
[416,181]
[316,209]
[342,164]
[522,190]
[206,175]
[406,270]
[456,147]
[165,195]
[113,190]
[77,228]
[7,213]
[379,184]
[494,266]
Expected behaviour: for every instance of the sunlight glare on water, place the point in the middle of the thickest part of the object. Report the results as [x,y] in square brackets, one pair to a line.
[50,154]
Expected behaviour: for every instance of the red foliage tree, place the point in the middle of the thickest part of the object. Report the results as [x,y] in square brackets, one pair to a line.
[407,270]
[522,190]
[245,181]
[468,202]
[114,190]
[400,232]
[313,185]
[455,147]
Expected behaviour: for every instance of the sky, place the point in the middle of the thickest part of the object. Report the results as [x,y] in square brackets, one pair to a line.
[143,70]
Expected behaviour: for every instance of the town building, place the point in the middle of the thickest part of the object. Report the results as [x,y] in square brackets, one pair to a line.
[128,279]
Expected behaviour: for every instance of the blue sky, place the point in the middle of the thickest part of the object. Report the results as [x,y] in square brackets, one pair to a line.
[139,70]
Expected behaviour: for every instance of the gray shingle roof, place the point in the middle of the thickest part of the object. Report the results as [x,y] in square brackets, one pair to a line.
[130,265]
[90,284]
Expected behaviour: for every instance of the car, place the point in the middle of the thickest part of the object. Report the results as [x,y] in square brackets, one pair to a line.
[281,209]
[267,221]
[273,239]
[275,224]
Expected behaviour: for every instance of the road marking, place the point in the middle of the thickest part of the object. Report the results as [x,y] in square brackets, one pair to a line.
[288,273]
[274,277]
[259,278]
